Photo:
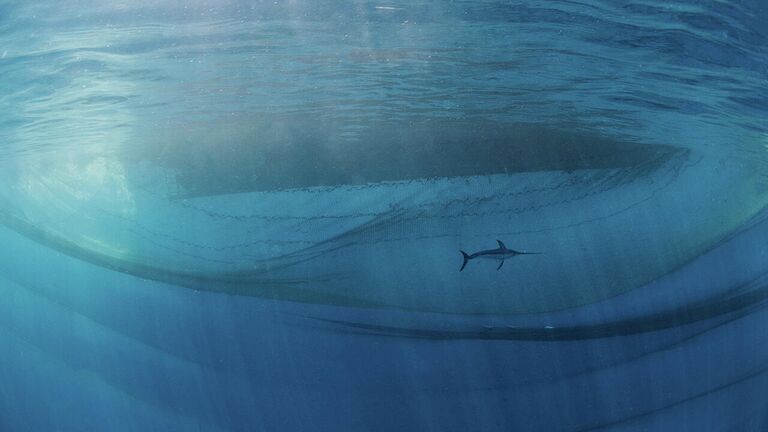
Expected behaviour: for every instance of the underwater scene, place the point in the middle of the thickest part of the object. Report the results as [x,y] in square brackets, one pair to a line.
[364,215]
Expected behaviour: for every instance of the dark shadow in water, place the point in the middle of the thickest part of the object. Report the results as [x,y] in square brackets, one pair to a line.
[297,153]
[739,303]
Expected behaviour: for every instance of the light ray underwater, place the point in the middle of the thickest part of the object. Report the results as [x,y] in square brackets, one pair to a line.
[363,216]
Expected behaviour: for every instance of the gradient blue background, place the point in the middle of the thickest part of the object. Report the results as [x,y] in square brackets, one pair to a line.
[93,96]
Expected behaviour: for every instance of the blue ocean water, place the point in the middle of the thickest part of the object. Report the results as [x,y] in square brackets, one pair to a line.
[246,216]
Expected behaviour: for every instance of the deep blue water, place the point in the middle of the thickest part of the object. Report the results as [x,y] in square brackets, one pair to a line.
[246,216]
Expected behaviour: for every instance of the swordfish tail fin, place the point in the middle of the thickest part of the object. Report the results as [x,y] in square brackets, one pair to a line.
[466,259]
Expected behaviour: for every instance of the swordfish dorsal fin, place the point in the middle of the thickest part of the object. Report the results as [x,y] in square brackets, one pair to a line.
[501,245]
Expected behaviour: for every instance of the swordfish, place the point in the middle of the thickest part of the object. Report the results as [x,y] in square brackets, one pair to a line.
[501,253]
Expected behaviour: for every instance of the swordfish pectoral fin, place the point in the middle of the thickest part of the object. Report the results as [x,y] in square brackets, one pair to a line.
[500,264]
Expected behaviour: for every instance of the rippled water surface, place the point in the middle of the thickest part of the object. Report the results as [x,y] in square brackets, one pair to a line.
[104,78]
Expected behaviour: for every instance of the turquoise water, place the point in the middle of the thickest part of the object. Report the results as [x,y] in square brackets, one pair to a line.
[248,215]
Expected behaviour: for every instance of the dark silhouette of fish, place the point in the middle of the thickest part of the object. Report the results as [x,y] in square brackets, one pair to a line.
[501,253]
